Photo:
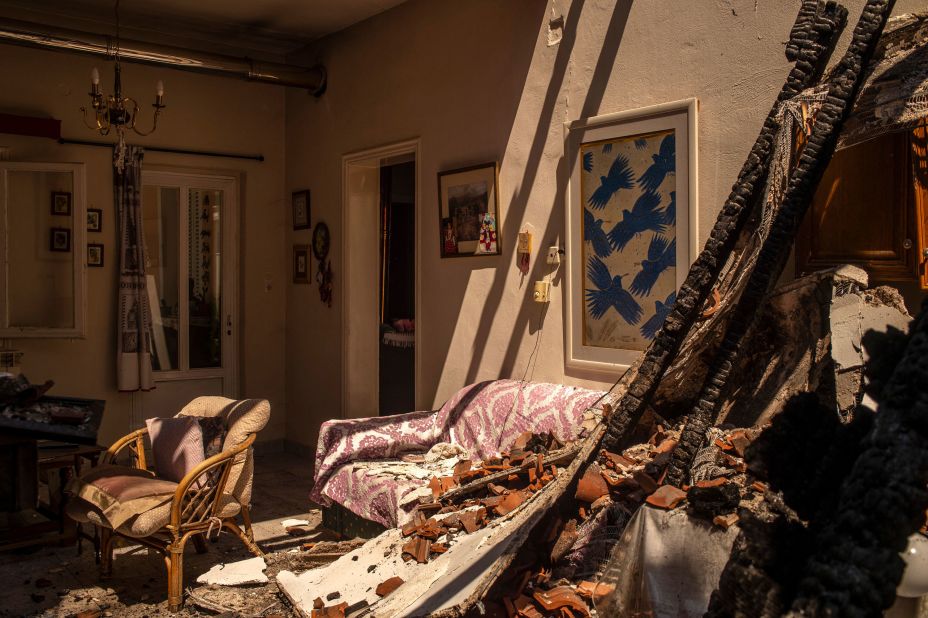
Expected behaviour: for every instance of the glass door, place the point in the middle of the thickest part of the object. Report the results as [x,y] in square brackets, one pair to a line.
[189,227]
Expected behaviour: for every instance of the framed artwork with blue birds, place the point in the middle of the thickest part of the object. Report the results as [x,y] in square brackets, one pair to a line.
[631,229]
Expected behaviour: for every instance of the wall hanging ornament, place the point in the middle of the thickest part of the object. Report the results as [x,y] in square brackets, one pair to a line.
[321,242]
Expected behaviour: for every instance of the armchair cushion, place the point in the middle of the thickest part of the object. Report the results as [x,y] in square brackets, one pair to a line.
[119,493]
[176,446]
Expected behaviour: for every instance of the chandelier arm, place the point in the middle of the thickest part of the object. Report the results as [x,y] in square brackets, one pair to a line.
[154,124]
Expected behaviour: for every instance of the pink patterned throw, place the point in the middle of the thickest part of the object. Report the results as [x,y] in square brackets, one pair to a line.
[483,418]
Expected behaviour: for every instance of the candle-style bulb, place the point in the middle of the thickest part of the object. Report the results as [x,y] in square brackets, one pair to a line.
[159,88]
[95,76]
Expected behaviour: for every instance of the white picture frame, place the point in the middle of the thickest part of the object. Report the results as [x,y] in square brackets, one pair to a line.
[598,337]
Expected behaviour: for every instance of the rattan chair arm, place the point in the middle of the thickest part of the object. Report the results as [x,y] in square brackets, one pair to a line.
[136,436]
[224,458]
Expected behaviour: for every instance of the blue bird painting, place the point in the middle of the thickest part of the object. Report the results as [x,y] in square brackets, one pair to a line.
[641,143]
[594,233]
[609,293]
[620,177]
[588,161]
[664,163]
[607,147]
[643,216]
[661,310]
[670,212]
[661,256]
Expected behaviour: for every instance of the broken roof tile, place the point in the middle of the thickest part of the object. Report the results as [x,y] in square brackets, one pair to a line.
[561,596]
[592,485]
[594,591]
[666,497]
[647,484]
[725,521]
[510,502]
[388,586]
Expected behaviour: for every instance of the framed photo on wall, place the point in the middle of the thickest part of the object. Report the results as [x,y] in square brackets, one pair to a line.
[631,229]
[300,205]
[95,255]
[301,264]
[94,220]
[61,203]
[59,239]
[468,211]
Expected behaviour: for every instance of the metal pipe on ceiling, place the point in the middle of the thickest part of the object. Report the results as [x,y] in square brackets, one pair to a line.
[31,34]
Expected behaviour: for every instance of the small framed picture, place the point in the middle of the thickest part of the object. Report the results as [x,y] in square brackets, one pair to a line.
[301,213]
[60,239]
[95,255]
[61,203]
[94,219]
[468,211]
[301,264]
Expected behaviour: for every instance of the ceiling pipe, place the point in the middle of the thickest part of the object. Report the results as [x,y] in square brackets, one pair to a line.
[31,34]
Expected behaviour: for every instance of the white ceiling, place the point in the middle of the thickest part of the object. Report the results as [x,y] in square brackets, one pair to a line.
[268,29]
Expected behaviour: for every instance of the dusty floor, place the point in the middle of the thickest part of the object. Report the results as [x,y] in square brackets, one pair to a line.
[56,581]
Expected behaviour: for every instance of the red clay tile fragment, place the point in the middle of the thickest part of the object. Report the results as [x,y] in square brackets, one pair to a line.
[470,521]
[593,591]
[438,548]
[462,466]
[725,521]
[739,443]
[759,487]
[318,603]
[417,548]
[388,586]
[561,596]
[435,486]
[510,502]
[724,445]
[591,485]
[666,445]
[647,484]
[525,608]
[666,497]
[333,611]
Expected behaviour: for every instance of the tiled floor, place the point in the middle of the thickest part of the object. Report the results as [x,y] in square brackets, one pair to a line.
[55,581]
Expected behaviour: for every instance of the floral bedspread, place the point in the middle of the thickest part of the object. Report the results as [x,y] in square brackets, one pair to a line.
[483,418]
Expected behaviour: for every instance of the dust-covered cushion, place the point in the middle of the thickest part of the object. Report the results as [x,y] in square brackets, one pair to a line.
[121,492]
[176,446]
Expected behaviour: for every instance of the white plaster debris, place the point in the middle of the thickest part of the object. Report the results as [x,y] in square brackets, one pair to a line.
[293,522]
[445,581]
[250,571]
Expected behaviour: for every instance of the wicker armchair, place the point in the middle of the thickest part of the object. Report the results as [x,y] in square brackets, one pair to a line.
[195,508]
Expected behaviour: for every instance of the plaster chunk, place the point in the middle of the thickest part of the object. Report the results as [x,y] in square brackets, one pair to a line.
[249,571]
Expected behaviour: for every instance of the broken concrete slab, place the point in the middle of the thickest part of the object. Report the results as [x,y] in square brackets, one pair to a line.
[239,573]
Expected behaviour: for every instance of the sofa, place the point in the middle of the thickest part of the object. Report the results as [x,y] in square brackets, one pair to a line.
[360,462]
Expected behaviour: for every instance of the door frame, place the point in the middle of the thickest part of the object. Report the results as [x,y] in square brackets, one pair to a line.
[231,244]
[351,408]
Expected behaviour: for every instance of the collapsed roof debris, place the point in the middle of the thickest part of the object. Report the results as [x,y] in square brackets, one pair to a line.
[534,532]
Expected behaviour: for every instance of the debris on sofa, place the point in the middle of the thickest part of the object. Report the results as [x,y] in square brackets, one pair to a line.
[250,571]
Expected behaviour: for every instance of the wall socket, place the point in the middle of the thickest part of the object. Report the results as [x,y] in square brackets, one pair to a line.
[542,291]
[554,255]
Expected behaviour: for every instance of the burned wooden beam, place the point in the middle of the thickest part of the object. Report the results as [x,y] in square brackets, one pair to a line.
[842,90]
[814,40]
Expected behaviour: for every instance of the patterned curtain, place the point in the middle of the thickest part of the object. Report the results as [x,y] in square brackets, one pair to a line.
[133,338]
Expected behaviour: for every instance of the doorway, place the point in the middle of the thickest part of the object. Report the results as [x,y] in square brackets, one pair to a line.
[397,288]
[190,227]
[381,234]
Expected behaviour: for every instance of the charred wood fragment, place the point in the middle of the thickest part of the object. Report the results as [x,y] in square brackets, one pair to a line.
[842,90]
[856,567]
[816,38]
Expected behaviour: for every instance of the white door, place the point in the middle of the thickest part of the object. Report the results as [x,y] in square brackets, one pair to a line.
[190,240]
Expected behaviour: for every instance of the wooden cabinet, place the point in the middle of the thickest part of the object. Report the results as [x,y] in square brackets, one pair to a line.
[870,210]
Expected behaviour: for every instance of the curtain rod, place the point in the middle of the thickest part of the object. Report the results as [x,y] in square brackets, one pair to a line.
[201,153]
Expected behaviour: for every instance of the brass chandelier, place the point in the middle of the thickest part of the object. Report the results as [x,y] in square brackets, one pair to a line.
[118,112]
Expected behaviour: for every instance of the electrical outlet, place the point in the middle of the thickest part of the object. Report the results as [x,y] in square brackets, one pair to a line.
[542,289]
[554,255]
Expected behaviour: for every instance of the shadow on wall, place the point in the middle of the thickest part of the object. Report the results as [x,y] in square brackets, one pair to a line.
[515,212]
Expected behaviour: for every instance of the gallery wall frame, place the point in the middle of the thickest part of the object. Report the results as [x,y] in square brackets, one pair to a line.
[631,218]
[301,264]
[468,211]
[94,219]
[300,206]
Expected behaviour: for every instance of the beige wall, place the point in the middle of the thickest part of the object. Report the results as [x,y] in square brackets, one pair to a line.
[205,113]
[478,81]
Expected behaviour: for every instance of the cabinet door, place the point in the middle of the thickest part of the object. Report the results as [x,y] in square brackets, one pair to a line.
[919,168]
[861,213]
